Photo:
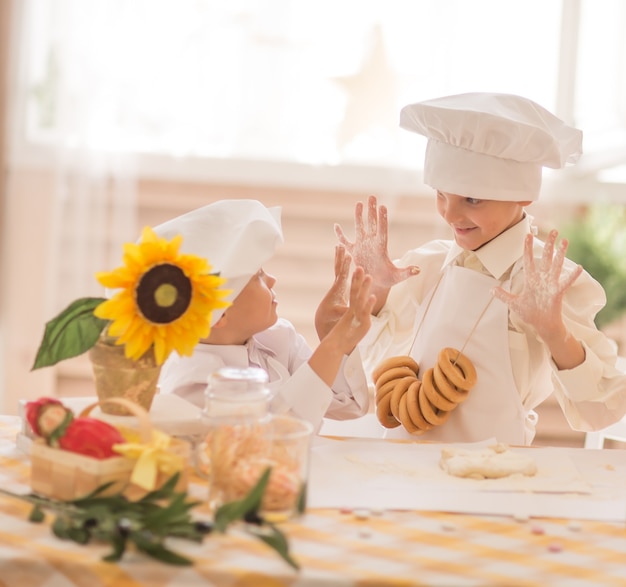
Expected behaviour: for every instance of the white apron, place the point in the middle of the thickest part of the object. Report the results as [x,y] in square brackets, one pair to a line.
[493,408]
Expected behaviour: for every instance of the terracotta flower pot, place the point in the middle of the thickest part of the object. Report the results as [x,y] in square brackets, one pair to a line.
[117,376]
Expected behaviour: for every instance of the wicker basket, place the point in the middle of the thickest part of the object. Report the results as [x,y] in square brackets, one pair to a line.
[64,475]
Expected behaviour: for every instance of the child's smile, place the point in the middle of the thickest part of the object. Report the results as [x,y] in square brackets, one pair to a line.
[475,222]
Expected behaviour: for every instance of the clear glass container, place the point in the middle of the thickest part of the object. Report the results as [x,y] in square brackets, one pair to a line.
[238,395]
[236,408]
[244,439]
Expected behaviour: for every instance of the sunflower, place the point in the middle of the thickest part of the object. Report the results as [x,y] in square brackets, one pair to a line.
[166,298]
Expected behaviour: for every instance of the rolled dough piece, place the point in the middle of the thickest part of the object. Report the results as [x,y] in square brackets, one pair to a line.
[492,462]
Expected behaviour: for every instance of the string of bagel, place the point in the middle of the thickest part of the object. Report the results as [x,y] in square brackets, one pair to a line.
[420,405]
[403,399]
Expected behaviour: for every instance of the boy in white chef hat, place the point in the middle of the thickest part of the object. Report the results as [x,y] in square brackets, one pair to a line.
[238,237]
[515,306]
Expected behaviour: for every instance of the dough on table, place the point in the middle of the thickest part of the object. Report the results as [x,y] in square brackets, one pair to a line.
[492,462]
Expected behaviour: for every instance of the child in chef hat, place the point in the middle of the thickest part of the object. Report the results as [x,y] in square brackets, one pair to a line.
[515,306]
[238,237]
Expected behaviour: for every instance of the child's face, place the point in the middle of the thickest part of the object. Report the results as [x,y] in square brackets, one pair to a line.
[254,309]
[476,222]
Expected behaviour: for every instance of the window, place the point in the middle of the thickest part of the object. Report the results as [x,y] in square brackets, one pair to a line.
[313,83]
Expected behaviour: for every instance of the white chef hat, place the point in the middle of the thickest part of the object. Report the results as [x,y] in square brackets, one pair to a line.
[237,237]
[490,146]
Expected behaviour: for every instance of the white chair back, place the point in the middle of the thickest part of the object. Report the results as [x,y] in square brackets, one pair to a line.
[615,431]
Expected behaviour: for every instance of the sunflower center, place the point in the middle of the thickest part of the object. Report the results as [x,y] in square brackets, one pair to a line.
[163,293]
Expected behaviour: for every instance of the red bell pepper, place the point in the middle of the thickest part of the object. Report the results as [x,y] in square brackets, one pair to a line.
[91,437]
[56,423]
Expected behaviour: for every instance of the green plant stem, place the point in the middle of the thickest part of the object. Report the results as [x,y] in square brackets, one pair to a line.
[149,521]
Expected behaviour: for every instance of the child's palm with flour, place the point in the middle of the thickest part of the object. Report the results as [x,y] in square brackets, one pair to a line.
[540,302]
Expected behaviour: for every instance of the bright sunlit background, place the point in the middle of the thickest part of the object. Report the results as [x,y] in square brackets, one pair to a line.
[317,83]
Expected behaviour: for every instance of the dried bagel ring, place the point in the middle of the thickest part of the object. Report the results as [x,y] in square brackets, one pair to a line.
[458,369]
[405,419]
[445,387]
[431,414]
[387,388]
[393,374]
[392,363]
[400,389]
[383,413]
[414,414]
[434,393]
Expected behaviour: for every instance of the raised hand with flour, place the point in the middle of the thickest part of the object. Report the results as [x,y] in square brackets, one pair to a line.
[540,303]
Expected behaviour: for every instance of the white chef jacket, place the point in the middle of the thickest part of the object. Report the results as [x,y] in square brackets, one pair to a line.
[592,395]
[283,353]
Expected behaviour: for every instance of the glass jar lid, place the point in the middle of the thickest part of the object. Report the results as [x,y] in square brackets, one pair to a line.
[233,391]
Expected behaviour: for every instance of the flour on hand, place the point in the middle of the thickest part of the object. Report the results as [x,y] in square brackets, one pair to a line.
[492,462]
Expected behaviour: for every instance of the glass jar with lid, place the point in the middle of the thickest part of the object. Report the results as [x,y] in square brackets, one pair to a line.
[236,409]
[236,395]
[244,439]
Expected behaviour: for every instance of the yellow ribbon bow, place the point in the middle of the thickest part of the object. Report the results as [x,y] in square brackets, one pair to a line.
[152,458]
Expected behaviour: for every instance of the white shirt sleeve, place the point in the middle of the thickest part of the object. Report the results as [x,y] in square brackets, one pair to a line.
[592,395]
[305,394]
[284,354]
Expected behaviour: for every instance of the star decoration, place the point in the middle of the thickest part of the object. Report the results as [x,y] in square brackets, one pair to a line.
[372,93]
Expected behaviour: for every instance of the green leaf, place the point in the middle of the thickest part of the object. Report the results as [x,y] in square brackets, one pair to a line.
[74,331]
[596,241]
[96,492]
[60,528]
[186,531]
[78,535]
[59,431]
[36,515]
[274,538]
[301,507]
[164,492]
[174,512]
[236,510]
[119,547]
[158,551]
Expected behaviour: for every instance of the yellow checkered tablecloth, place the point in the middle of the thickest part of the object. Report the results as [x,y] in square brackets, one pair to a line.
[335,548]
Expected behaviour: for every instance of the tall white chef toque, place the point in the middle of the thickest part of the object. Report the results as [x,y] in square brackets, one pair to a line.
[490,146]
